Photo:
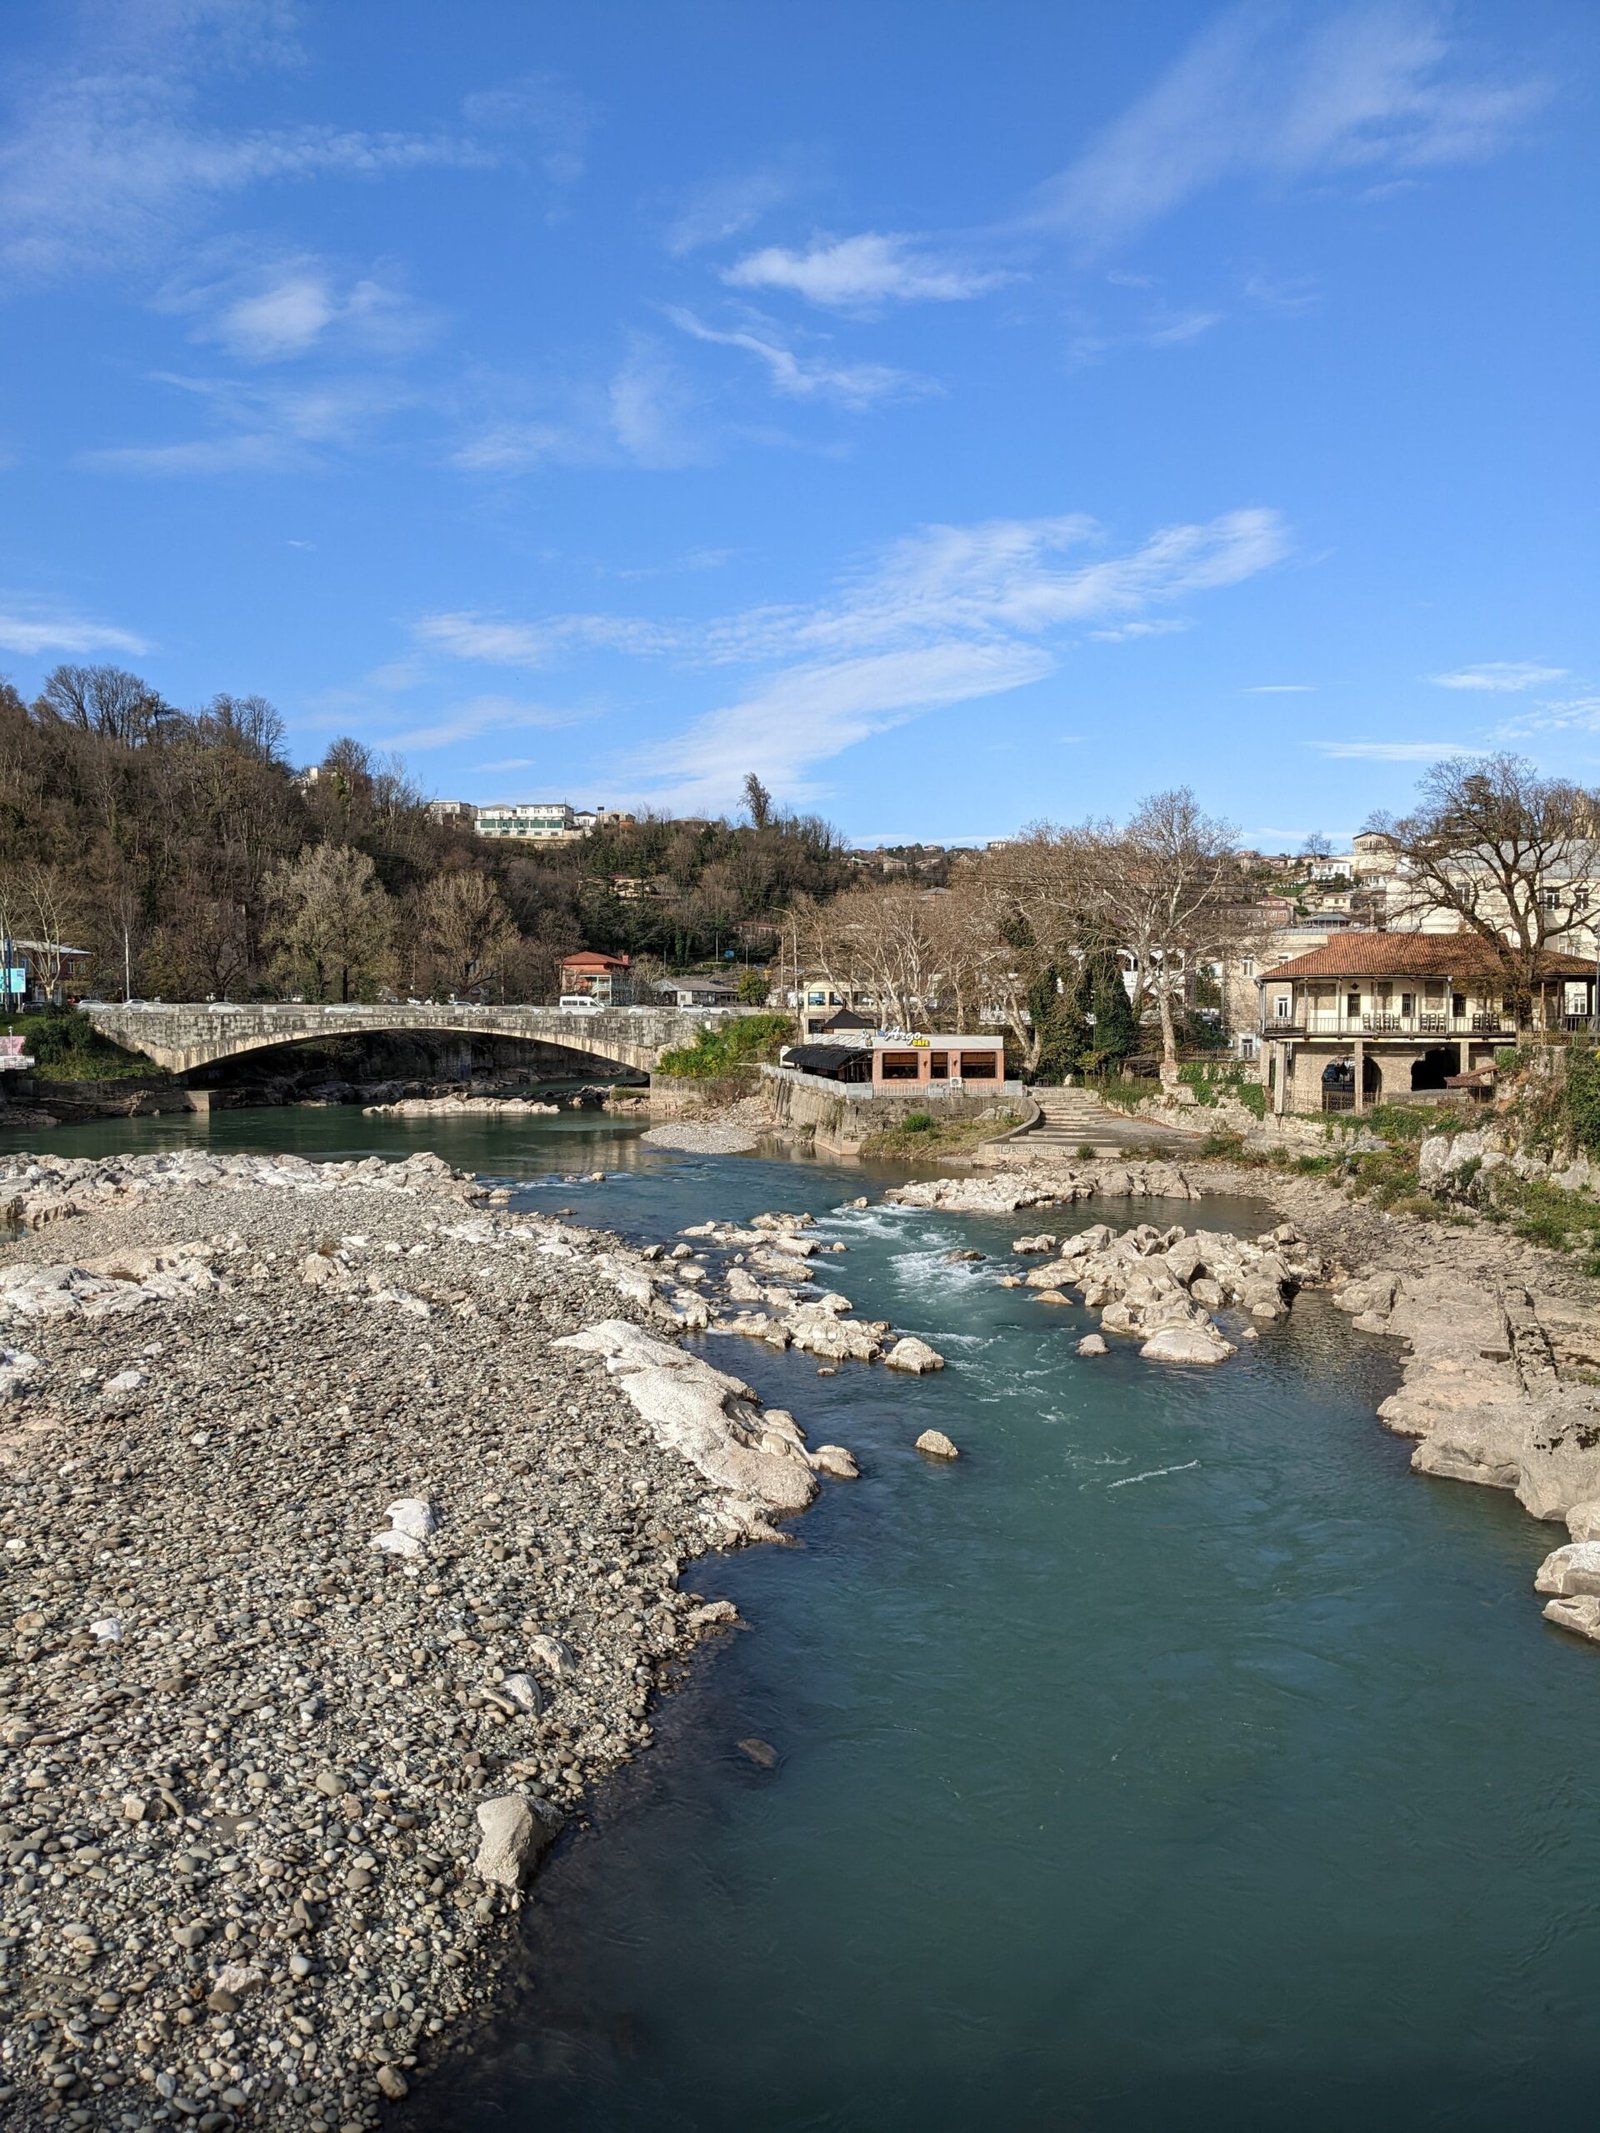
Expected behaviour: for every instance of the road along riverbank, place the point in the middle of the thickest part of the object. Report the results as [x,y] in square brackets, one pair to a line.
[343,1518]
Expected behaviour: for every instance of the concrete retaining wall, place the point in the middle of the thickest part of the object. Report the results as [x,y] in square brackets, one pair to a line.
[840,1117]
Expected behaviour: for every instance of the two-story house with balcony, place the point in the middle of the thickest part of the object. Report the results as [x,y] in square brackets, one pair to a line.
[1370,1016]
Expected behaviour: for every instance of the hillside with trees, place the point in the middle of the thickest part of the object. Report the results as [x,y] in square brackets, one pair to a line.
[182,849]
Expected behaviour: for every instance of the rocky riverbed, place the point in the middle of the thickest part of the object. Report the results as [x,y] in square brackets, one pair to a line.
[342,1524]
[1500,1366]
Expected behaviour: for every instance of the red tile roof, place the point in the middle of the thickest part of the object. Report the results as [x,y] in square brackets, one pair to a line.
[592,959]
[1416,955]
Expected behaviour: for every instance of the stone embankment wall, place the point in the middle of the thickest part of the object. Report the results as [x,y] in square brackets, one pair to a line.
[130,1096]
[839,1121]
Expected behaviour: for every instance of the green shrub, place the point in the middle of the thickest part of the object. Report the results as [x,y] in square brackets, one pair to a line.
[1211,1079]
[1124,1092]
[68,1047]
[727,1048]
[1222,1140]
[917,1122]
[1580,1098]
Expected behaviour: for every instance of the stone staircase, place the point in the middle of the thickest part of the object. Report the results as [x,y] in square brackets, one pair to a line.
[1075,1118]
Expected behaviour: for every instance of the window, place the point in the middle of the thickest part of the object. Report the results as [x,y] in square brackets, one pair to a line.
[1281,1006]
[1352,1003]
[1248,966]
[1407,1001]
[899,1066]
[939,1067]
[980,1066]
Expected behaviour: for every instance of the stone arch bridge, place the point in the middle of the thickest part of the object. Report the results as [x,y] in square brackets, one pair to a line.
[185,1037]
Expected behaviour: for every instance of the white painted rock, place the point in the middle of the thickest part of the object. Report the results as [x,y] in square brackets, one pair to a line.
[17,1369]
[1570,1570]
[524,1692]
[1187,1344]
[936,1445]
[414,1515]
[392,1542]
[913,1355]
[516,1826]
[835,1460]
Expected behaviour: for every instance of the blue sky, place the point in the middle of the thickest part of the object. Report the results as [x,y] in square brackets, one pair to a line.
[962,416]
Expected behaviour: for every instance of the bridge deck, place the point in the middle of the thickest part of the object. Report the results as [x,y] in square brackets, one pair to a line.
[183,1036]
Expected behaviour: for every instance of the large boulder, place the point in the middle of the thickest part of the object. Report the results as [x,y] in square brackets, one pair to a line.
[515,1828]
[705,1416]
[1570,1570]
[934,1444]
[1188,1344]
[1581,1615]
[916,1356]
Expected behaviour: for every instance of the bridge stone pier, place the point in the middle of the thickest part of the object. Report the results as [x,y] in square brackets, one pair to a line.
[184,1037]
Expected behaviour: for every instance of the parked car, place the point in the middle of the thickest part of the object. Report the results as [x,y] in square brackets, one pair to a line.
[578,1003]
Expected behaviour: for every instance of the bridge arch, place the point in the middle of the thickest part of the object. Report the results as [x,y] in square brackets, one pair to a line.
[185,1037]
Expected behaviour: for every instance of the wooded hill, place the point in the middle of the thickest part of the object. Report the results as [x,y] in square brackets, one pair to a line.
[182,849]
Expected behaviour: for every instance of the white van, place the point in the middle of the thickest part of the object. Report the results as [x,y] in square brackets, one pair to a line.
[578,1003]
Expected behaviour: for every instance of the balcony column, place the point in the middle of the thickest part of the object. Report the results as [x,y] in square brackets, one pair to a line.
[1361,1073]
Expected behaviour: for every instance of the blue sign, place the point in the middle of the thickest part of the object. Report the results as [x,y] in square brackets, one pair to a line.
[14,979]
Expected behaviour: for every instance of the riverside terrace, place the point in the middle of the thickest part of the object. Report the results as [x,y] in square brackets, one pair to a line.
[1372,1016]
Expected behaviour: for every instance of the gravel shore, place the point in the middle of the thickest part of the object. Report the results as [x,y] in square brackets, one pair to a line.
[253,1705]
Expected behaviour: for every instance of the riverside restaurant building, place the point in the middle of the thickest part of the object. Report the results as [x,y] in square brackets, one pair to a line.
[894,1064]
[1374,1017]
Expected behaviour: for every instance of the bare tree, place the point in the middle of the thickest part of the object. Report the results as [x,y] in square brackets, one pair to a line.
[1511,854]
[1168,890]
[41,907]
[331,922]
[105,700]
[467,933]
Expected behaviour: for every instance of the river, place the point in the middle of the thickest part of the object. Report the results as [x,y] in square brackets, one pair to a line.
[1175,1760]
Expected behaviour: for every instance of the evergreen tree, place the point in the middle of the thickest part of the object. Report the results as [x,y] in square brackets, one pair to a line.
[1116,1027]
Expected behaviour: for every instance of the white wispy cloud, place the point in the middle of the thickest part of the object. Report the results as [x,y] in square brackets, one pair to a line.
[476,715]
[809,714]
[544,112]
[1281,94]
[498,641]
[259,428]
[1282,688]
[725,207]
[1393,751]
[949,615]
[1576,714]
[645,412]
[110,159]
[283,307]
[1500,677]
[1130,632]
[652,410]
[863,272]
[35,631]
[810,377]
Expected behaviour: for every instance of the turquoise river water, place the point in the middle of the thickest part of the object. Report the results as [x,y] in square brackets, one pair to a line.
[1176,1760]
